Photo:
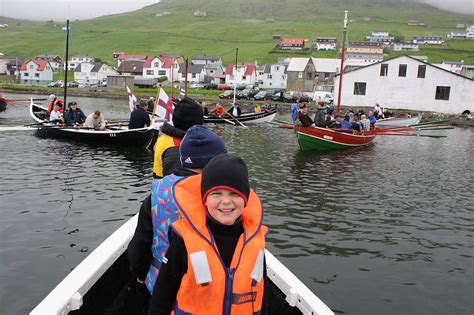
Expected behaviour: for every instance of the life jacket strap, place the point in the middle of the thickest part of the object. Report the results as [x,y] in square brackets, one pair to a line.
[257,272]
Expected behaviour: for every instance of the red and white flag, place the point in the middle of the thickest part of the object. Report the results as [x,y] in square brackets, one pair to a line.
[165,106]
[131,99]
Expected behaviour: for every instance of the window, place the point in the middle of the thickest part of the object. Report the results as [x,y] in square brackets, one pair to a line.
[326,75]
[25,74]
[383,70]
[156,64]
[359,88]
[150,72]
[308,76]
[442,93]
[193,76]
[421,71]
[300,75]
[402,70]
[37,75]
[31,66]
[244,77]
[269,76]
[161,72]
[277,68]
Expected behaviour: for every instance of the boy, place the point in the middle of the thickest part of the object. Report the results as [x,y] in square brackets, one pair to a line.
[208,268]
[150,241]
[56,117]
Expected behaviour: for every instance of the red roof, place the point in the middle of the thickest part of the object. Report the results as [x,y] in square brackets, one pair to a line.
[125,57]
[41,64]
[292,41]
[249,69]
[167,61]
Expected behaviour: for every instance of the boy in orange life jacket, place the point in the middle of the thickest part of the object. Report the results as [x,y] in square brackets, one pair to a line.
[218,244]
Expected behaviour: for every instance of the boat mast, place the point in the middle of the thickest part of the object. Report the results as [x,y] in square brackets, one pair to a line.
[235,75]
[65,62]
[342,62]
[186,78]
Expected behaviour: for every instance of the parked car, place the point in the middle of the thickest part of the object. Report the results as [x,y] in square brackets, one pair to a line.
[322,96]
[263,95]
[210,86]
[227,94]
[58,83]
[278,96]
[196,86]
[224,87]
[73,84]
[293,97]
[246,94]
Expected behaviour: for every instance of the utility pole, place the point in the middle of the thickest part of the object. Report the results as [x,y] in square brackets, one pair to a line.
[235,75]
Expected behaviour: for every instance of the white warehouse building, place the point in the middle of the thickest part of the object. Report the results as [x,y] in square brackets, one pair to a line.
[407,83]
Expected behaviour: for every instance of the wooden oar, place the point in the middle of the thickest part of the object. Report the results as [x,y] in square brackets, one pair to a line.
[437,121]
[226,120]
[240,123]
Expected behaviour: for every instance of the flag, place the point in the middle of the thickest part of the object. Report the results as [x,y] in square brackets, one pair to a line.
[165,106]
[182,92]
[131,99]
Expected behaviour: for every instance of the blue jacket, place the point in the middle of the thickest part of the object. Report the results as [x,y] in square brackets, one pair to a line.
[75,117]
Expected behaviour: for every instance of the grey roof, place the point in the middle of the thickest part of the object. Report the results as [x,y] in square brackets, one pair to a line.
[135,66]
[191,68]
[449,62]
[97,66]
[267,68]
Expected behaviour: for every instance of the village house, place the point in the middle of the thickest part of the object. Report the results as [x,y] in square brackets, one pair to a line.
[380,33]
[326,43]
[364,47]
[212,65]
[274,76]
[78,59]
[242,74]
[407,83]
[10,65]
[200,13]
[36,72]
[468,71]
[92,72]
[301,73]
[123,57]
[452,66]
[291,43]
[162,66]
[196,73]
[470,32]
[361,59]
[415,23]
[131,67]
[325,72]
[260,73]
[405,46]
[430,40]
[55,61]
[457,35]
[116,54]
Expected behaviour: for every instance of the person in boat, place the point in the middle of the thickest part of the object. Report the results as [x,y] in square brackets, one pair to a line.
[267,106]
[95,121]
[53,101]
[207,247]
[139,118]
[257,109]
[150,104]
[294,110]
[150,241]
[320,116]
[56,117]
[355,124]
[74,116]
[365,123]
[186,114]
[235,110]
[345,124]
[302,117]
[205,110]
[372,118]
[378,112]
[218,110]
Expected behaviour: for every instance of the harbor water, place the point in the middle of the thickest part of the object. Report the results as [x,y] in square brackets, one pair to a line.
[385,229]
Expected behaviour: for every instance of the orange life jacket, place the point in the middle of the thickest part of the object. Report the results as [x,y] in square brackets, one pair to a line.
[56,101]
[218,111]
[208,287]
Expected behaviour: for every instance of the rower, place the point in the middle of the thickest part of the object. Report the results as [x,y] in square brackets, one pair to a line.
[139,118]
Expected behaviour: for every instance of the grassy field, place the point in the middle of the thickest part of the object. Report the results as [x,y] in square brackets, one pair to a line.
[237,23]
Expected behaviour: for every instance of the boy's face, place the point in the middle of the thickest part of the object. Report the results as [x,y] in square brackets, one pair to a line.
[224,206]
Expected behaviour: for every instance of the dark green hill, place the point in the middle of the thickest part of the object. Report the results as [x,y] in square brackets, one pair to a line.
[246,24]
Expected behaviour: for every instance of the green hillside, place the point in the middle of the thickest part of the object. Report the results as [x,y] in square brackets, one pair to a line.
[237,23]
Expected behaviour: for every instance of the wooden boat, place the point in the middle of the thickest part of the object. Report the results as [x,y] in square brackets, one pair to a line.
[247,118]
[117,135]
[397,122]
[326,139]
[98,285]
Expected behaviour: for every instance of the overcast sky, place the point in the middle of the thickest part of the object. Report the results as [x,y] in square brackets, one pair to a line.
[86,9]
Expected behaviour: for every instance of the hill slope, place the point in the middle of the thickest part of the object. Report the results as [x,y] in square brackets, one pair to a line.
[237,23]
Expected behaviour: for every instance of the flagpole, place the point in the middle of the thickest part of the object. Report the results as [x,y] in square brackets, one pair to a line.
[156,102]
[172,81]
[342,62]
[186,79]
[235,75]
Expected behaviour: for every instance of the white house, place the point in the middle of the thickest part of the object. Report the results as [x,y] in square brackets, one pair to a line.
[453,66]
[326,43]
[470,32]
[162,66]
[206,60]
[380,33]
[406,46]
[430,40]
[260,73]
[274,77]
[76,60]
[361,59]
[55,61]
[92,72]
[196,73]
[408,83]
[36,72]
[242,74]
